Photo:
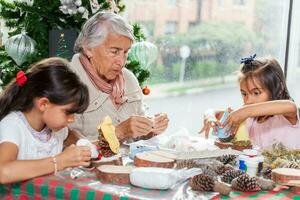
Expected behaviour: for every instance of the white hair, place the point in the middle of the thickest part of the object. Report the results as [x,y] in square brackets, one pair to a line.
[96,29]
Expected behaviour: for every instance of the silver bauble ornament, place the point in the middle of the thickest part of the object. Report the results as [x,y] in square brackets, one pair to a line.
[144,52]
[67,1]
[28,2]
[78,3]
[19,47]
[81,10]
[64,9]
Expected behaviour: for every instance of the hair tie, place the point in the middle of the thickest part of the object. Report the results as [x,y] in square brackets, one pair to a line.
[21,78]
[248,60]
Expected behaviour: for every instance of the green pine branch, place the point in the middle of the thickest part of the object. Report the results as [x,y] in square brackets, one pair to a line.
[141,74]
[37,20]
[137,32]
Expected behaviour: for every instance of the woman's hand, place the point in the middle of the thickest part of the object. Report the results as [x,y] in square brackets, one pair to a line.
[134,126]
[234,120]
[161,122]
[211,121]
[74,156]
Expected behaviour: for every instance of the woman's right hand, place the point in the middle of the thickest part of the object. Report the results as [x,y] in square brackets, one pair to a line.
[74,156]
[134,127]
[211,121]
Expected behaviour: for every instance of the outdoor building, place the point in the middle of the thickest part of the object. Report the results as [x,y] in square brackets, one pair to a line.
[176,16]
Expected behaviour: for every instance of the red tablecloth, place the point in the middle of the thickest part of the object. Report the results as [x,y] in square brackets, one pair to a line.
[62,186]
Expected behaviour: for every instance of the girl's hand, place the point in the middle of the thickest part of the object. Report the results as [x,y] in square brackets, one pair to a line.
[74,156]
[211,121]
[234,119]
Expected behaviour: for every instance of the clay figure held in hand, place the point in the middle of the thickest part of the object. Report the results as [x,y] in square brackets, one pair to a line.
[269,111]
[35,110]
[102,48]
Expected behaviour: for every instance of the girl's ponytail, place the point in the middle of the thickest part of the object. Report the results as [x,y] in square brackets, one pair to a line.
[8,98]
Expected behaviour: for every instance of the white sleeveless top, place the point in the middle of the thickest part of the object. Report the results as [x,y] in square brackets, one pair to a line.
[13,129]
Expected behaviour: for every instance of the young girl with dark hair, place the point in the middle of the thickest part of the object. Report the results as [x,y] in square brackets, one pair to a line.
[270,113]
[35,110]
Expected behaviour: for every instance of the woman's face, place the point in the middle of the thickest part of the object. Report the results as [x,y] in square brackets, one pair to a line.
[110,56]
[253,91]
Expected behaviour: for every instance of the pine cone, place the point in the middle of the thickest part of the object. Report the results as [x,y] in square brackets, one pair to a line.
[227,159]
[229,175]
[222,188]
[186,164]
[104,147]
[222,169]
[266,172]
[209,171]
[245,183]
[216,164]
[202,182]
[265,184]
[292,164]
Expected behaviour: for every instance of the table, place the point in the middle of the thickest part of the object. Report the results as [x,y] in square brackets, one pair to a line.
[62,186]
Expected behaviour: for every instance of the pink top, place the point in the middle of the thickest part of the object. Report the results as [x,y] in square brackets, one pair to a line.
[275,129]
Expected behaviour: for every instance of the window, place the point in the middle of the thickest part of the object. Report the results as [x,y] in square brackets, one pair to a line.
[217,40]
[220,3]
[239,2]
[293,73]
[171,28]
[147,28]
[172,2]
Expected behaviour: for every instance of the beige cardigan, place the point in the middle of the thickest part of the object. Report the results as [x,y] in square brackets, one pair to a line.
[101,105]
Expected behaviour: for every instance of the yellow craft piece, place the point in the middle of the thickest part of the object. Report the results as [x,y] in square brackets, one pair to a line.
[108,131]
[242,133]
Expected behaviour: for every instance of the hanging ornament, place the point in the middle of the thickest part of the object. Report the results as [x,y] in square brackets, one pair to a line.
[94,6]
[19,47]
[28,2]
[113,6]
[146,90]
[81,9]
[72,7]
[143,52]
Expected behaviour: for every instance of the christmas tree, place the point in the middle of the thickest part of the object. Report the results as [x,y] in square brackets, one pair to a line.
[62,50]
[36,18]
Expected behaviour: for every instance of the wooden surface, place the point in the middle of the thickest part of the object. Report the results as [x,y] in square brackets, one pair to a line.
[285,175]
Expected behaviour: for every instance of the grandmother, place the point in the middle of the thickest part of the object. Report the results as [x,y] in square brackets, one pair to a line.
[101,53]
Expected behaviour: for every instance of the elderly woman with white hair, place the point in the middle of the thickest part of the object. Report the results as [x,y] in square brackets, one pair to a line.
[102,48]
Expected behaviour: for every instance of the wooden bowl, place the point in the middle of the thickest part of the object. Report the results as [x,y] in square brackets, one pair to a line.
[113,161]
[113,174]
[285,175]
